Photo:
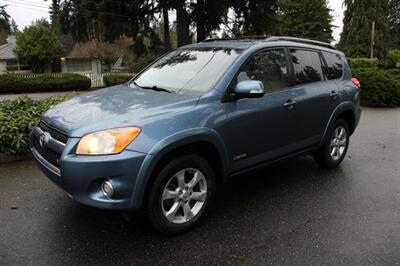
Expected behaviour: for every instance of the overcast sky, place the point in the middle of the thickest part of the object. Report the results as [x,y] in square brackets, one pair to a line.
[26,11]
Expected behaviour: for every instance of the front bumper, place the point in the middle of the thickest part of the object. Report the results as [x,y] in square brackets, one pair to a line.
[81,176]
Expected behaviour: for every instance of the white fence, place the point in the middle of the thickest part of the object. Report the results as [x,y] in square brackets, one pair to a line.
[98,79]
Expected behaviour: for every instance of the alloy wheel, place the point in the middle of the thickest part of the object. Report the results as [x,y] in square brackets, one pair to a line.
[338,143]
[184,195]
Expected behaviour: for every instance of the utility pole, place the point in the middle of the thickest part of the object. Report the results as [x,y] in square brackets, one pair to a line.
[372,39]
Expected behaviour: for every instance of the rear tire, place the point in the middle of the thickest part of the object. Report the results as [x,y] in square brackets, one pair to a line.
[180,194]
[334,150]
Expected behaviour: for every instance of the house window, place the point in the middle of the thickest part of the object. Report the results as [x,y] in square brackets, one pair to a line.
[79,65]
[14,65]
[24,66]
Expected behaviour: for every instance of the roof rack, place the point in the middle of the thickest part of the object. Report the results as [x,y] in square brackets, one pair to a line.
[274,38]
[300,40]
[242,38]
[217,39]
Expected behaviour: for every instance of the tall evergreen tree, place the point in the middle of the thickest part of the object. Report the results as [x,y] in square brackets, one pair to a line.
[5,26]
[254,17]
[13,27]
[394,19]
[208,16]
[307,19]
[55,16]
[355,39]
[106,20]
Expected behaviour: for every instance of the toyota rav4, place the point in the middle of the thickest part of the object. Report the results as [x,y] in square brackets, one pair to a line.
[197,116]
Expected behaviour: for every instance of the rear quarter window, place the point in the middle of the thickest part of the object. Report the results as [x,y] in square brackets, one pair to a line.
[307,66]
[334,65]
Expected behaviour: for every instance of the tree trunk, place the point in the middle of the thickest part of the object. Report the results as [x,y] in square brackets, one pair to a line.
[167,41]
[200,21]
[183,21]
[134,30]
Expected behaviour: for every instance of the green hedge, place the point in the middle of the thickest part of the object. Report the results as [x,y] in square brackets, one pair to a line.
[16,83]
[17,118]
[379,88]
[395,73]
[358,72]
[116,79]
[390,60]
[357,63]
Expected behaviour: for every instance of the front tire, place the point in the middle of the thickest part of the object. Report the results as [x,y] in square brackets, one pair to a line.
[334,150]
[180,194]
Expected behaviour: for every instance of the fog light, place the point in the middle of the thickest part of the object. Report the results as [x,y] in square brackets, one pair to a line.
[107,188]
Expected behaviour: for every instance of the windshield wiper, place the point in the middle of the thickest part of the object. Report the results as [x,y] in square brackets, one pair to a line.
[154,88]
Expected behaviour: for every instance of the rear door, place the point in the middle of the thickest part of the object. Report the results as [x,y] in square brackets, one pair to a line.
[311,94]
[333,65]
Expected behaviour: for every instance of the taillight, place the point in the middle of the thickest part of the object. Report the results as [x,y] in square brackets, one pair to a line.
[356,82]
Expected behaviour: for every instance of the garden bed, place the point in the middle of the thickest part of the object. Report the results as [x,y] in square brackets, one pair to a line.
[17,118]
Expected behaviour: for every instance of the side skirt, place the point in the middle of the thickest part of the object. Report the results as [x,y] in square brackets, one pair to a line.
[270,162]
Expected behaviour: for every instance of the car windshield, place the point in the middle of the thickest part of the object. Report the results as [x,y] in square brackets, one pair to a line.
[188,69]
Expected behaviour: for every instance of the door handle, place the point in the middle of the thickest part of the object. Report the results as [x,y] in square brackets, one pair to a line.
[333,94]
[289,104]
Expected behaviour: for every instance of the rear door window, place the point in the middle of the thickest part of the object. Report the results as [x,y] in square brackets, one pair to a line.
[307,66]
[334,68]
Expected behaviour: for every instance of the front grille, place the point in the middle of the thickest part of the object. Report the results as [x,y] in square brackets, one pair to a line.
[55,133]
[50,155]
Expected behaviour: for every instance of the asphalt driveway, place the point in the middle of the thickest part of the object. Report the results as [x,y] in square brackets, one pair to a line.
[291,213]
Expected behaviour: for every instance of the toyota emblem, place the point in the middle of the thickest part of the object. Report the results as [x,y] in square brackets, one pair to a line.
[43,139]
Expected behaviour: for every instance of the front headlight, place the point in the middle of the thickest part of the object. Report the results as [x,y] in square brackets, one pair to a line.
[105,142]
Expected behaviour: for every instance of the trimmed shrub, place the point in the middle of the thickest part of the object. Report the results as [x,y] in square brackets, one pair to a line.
[391,59]
[379,88]
[16,83]
[359,63]
[358,72]
[116,79]
[18,117]
[394,72]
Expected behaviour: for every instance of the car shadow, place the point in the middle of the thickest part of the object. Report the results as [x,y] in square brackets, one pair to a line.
[248,210]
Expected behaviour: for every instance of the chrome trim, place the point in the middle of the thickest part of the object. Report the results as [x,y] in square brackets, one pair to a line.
[107,182]
[257,91]
[57,145]
[45,163]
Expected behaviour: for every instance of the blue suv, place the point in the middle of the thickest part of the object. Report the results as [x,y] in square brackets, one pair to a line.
[197,116]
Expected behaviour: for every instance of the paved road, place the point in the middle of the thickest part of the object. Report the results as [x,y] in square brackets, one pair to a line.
[292,213]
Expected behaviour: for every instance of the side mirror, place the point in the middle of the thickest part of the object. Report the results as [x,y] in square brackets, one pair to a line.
[249,89]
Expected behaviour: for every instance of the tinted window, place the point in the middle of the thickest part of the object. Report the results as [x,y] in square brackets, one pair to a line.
[189,69]
[307,66]
[334,69]
[269,67]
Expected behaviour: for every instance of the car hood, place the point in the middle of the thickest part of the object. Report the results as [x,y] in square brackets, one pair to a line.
[114,107]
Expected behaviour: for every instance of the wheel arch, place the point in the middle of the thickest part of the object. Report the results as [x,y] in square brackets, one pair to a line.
[201,141]
[346,111]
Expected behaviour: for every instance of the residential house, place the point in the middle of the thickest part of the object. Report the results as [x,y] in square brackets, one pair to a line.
[10,64]
[80,65]
[8,61]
